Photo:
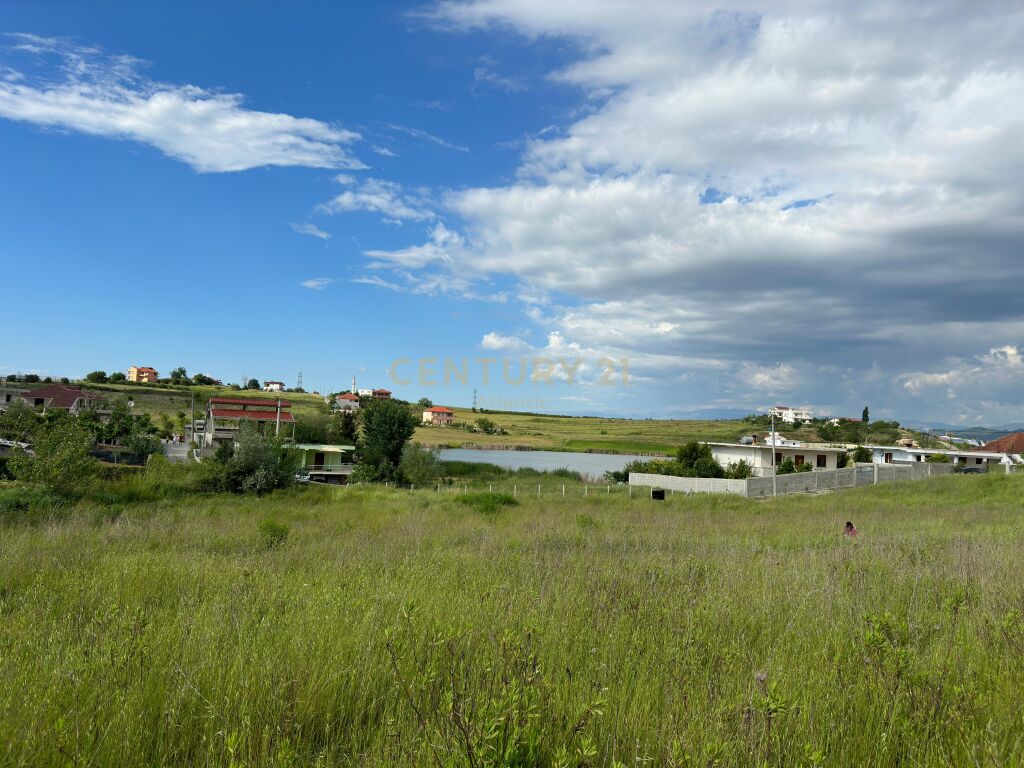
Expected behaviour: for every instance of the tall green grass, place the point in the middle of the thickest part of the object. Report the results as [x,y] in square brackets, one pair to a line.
[374,627]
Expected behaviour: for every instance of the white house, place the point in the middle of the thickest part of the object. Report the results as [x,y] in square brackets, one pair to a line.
[898,454]
[346,401]
[273,386]
[759,455]
[789,414]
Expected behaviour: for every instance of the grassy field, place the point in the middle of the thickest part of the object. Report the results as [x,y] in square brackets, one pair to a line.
[572,433]
[374,627]
[156,400]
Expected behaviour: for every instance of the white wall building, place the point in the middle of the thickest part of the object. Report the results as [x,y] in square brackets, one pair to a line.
[898,454]
[273,386]
[789,414]
[759,455]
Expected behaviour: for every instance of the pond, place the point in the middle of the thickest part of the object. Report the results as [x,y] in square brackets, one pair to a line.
[594,464]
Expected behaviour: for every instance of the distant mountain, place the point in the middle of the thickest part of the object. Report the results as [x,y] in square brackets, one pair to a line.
[959,430]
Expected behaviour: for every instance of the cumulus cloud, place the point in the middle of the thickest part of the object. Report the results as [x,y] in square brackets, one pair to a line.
[92,92]
[378,196]
[312,230]
[815,185]
[497,341]
[317,283]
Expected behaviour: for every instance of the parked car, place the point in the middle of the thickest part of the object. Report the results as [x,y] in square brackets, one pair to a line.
[972,470]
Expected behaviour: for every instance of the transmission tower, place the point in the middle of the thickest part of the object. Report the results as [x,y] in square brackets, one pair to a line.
[299,385]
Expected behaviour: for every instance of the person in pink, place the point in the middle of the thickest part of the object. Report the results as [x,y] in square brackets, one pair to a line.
[850,531]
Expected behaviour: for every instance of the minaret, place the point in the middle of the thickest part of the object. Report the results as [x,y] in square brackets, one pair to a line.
[354,391]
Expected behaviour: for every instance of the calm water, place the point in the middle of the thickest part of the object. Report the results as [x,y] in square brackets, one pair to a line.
[586,463]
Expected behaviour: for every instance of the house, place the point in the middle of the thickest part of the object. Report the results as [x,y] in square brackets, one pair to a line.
[346,401]
[273,386]
[365,392]
[759,455]
[1012,445]
[224,417]
[9,394]
[330,464]
[142,374]
[835,421]
[438,415]
[898,454]
[790,415]
[381,394]
[60,397]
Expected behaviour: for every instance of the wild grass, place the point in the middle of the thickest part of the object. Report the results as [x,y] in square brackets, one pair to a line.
[390,627]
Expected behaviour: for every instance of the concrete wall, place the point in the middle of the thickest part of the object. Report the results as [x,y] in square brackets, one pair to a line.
[688,484]
[799,482]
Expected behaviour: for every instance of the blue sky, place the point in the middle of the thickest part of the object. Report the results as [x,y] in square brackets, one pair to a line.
[695,191]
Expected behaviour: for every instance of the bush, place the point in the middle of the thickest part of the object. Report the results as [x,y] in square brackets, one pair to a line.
[419,466]
[739,470]
[272,534]
[805,467]
[861,454]
[105,471]
[61,463]
[487,503]
[937,458]
[787,467]
[260,463]
[29,504]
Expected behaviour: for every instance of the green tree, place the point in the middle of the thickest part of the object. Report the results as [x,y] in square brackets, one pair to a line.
[739,470]
[118,376]
[179,375]
[61,462]
[861,454]
[96,377]
[486,426]
[842,459]
[31,378]
[419,466]
[19,422]
[261,463]
[347,428]
[938,458]
[425,402]
[252,384]
[387,427]
[201,379]
[787,467]
[690,453]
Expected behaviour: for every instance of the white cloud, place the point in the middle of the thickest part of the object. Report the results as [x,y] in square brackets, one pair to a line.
[312,230]
[485,76]
[104,95]
[378,196]
[418,133]
[317,283]
[497,341]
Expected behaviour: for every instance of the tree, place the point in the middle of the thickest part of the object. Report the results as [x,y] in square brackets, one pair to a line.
[259,462]
[486,426]
[861,454]
[425,402]
[179,375]
[65,380]
[61,462]
[787,467]
[118,376]
[938,458]
[347,428]
[387,427]
[739,470]
[141,444]
[842,459]
[865,416]
[252,384]
[31,378]
[19,422]
[419,466]
[200,379]
[96,377]
[690,453]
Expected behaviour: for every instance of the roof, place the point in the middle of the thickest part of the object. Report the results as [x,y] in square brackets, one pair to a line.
[382,391]
[324,448]
[1011,443]
[263,402]
[347,396]
[981,453]
[438,409]
[230,413]
[761,446]
[59,395]
[274,382]
[145,368]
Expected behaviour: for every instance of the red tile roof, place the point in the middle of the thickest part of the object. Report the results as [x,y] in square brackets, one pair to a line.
[347,396]
[59,395]
[230,413]
[1011,443]
[264,402]
[382,391]
[439,409]
[145,369]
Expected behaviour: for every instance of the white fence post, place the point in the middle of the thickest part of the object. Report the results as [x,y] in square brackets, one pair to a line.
[563,491]
[585,487]
[538,490]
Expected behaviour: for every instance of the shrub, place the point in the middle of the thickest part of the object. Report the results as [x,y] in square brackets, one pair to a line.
[272,533]
[805,467]
[487,503]
[739,470]
[105,471]
[61,463]
[787,467]
[28,504]
[937,458]
[861,454]
[260,463]
[419,466]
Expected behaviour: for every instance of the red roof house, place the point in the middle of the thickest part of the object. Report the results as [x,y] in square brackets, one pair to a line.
[59,396]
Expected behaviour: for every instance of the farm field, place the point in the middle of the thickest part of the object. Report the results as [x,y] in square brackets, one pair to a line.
[376,627]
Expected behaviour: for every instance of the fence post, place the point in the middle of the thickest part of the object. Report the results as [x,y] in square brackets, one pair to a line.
[538,490]
[631,491]
[608,488]
[490,488]
[585,487]
[465,488]
[515,490]
[563,491]
[876,473]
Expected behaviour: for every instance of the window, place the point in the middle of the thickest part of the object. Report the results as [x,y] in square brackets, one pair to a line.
[978,461]
[778,458]
[798,459]
[821,462]
[888,457]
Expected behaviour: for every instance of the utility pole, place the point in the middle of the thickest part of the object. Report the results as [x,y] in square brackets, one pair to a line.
[474,401]
[192,426]
[775,482]
[277,428]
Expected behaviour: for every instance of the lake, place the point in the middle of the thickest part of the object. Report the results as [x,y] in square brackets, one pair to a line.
[595,464]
